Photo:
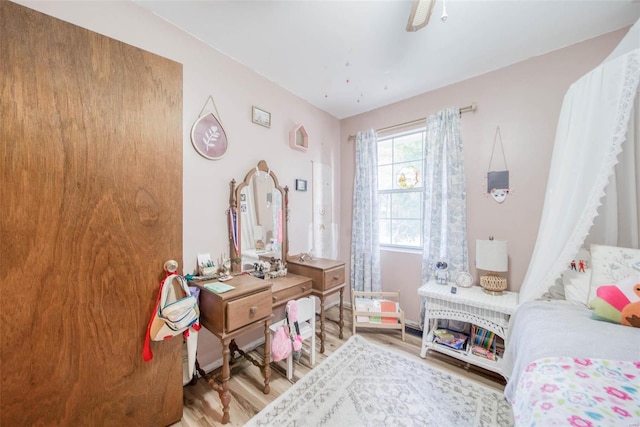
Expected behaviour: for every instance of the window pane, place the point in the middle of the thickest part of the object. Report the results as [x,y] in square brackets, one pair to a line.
[384,206]
[385,232]
[407,148]
[406,205]
[385,152]
[406,232]
[385,177]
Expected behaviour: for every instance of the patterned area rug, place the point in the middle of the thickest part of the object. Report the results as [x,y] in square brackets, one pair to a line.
[363,384]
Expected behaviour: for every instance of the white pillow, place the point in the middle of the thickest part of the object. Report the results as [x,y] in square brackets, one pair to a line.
[611,264]
[576,282]
[576,286]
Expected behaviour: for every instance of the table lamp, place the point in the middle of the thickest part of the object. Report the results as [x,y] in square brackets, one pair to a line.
[491,256]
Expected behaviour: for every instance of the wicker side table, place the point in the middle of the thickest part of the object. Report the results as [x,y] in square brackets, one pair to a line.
[472,305]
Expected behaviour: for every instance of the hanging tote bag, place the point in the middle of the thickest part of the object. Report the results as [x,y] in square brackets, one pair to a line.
[175,312]
[281,344]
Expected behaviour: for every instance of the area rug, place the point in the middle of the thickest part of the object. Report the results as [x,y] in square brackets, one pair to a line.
[364,384]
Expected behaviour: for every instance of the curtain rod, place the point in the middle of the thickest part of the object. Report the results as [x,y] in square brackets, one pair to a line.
[466,109]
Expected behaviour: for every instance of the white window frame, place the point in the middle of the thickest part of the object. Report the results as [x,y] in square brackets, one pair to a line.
[391,246]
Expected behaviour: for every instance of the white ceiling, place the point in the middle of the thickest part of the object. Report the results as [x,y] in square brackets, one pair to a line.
[349,57]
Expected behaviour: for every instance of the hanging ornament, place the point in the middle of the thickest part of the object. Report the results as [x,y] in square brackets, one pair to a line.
[207,134]
[498,181]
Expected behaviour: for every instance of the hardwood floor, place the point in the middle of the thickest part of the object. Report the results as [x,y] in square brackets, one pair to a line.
[202,405]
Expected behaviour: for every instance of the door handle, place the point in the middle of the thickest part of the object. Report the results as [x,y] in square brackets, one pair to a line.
[171,266]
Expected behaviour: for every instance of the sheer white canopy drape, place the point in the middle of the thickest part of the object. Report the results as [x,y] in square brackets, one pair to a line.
[618,223]
[593,126]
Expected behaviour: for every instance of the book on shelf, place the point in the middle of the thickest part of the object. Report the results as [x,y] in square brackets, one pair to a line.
[452,339]
[482,337]
[389,307]
[483,352]
[374,307]
[486,344]
[361,305]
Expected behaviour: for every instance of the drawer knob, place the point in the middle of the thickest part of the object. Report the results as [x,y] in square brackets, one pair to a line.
[253,310]
[336,277]
[274,298]
[304,288]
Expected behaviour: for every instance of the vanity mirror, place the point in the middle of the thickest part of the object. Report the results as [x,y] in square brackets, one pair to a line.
[257,219]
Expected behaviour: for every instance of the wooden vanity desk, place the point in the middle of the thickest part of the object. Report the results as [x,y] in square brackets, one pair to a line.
[327,277]
[234,313]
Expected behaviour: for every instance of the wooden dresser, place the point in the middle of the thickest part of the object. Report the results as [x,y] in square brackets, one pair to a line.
[231,314]
[327,277]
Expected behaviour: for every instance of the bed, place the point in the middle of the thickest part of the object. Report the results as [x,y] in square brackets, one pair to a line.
[564,364]
[566,368]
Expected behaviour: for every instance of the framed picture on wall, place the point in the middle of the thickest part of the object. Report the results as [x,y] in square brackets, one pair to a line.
[208,137]
[260,117]
[301,185]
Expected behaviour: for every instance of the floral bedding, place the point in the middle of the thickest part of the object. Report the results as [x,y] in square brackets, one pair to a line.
[578,392]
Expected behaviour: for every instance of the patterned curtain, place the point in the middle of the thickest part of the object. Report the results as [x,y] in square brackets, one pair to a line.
[365,252]
[445,209]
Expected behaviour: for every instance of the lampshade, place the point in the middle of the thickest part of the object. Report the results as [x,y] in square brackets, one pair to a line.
[420,14]
[491,255]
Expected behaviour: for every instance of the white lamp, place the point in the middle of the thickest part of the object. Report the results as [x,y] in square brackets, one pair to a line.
[420,14]
[491,255]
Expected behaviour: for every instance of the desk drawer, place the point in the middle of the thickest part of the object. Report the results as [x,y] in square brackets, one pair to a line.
[333,278]
[292,292]
[244,311]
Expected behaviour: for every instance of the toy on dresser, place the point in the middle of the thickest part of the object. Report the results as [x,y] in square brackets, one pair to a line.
[441,272]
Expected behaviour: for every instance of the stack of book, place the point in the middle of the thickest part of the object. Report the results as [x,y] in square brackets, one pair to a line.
[483,343]
[455,340]
[375,306]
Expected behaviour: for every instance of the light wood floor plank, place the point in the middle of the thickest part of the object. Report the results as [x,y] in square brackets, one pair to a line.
[202,405]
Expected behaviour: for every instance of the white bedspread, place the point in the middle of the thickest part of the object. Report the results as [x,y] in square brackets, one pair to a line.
[557,328]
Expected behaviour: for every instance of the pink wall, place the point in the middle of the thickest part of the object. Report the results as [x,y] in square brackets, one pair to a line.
[234,89]
[524,99]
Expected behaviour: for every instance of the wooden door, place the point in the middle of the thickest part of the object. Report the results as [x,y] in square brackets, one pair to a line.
[90,209]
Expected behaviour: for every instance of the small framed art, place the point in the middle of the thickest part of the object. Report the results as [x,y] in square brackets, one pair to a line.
[301,185]
[260,117]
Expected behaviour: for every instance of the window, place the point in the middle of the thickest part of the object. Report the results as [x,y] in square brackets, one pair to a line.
[400,189]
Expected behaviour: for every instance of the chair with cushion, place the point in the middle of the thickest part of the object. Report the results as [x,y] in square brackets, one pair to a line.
[306,316]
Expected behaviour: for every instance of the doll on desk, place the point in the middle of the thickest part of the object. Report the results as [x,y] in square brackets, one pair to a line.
[441,272]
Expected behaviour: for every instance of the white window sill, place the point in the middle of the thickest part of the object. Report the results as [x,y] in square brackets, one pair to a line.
[401,250]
